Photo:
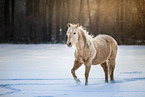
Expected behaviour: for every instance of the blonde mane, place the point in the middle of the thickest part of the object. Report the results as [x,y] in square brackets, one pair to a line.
[86,37]
[85,31]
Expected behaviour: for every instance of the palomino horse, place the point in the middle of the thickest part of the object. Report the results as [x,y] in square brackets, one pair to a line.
[92,51]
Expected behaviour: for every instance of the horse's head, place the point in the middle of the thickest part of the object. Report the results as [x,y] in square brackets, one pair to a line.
[72,33]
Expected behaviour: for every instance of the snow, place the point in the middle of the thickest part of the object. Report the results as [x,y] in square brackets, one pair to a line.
[43,70]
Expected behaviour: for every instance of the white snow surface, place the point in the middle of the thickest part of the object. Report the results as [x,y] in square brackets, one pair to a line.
[43,70]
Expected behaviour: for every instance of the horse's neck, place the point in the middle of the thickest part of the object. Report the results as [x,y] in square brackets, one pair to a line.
[83,41]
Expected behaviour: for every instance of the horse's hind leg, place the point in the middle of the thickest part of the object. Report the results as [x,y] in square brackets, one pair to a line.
[75,67]
[111,69]
[105,68]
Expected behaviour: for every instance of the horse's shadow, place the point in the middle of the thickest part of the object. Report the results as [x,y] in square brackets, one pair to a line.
[122,80]
[128,80]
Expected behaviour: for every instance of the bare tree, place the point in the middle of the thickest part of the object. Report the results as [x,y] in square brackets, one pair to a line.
[96,17]
[140,17]
[81,12]
[58,6]
[89,14]
[50,16]
[36,21]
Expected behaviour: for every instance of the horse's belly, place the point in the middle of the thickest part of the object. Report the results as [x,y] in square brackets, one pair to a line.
[97,61]
[103,53]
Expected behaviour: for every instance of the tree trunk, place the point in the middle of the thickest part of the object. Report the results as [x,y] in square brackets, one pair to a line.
[7,19]
[58,5]
[89,15]
[80,12]
[50,19]
[121,17]
[97,17]
[12,15]
[117,14]
[63,22]
[140,18]
[2,21]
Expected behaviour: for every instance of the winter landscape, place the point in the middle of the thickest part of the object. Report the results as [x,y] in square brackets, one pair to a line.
[36,62]
[43,70]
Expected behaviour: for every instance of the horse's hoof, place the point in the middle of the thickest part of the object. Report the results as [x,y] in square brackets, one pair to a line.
[78,81]
[112,81]
[86,83]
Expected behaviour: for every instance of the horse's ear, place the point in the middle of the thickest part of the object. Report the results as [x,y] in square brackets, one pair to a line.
[69,25]
[77,25]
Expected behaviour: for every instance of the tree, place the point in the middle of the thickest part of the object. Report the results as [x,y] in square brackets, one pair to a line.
[50,16]
[58,6]
[140,18]
[81,12]
[43,21]
[89,15]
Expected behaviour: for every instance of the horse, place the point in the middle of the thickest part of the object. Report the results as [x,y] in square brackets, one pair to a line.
[90,50]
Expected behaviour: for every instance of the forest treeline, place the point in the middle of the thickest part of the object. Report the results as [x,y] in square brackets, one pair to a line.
[45,21]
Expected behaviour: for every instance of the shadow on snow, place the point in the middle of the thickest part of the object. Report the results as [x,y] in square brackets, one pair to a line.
[14,90]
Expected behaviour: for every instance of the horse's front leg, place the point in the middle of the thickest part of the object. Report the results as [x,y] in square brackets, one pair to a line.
[87,70]
[75,67]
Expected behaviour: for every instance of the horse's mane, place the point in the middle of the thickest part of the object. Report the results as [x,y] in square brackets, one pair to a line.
[84,30]
[87,38]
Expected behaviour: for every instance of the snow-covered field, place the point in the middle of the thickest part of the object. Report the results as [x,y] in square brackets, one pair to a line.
[43,70]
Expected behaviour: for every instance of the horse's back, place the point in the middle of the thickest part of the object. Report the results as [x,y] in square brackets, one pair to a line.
[106,38]
[106,47]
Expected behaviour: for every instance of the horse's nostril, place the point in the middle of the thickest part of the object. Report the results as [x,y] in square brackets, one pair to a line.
[70,43]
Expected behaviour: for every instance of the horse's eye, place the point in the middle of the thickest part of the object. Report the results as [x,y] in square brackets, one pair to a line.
[74,33]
